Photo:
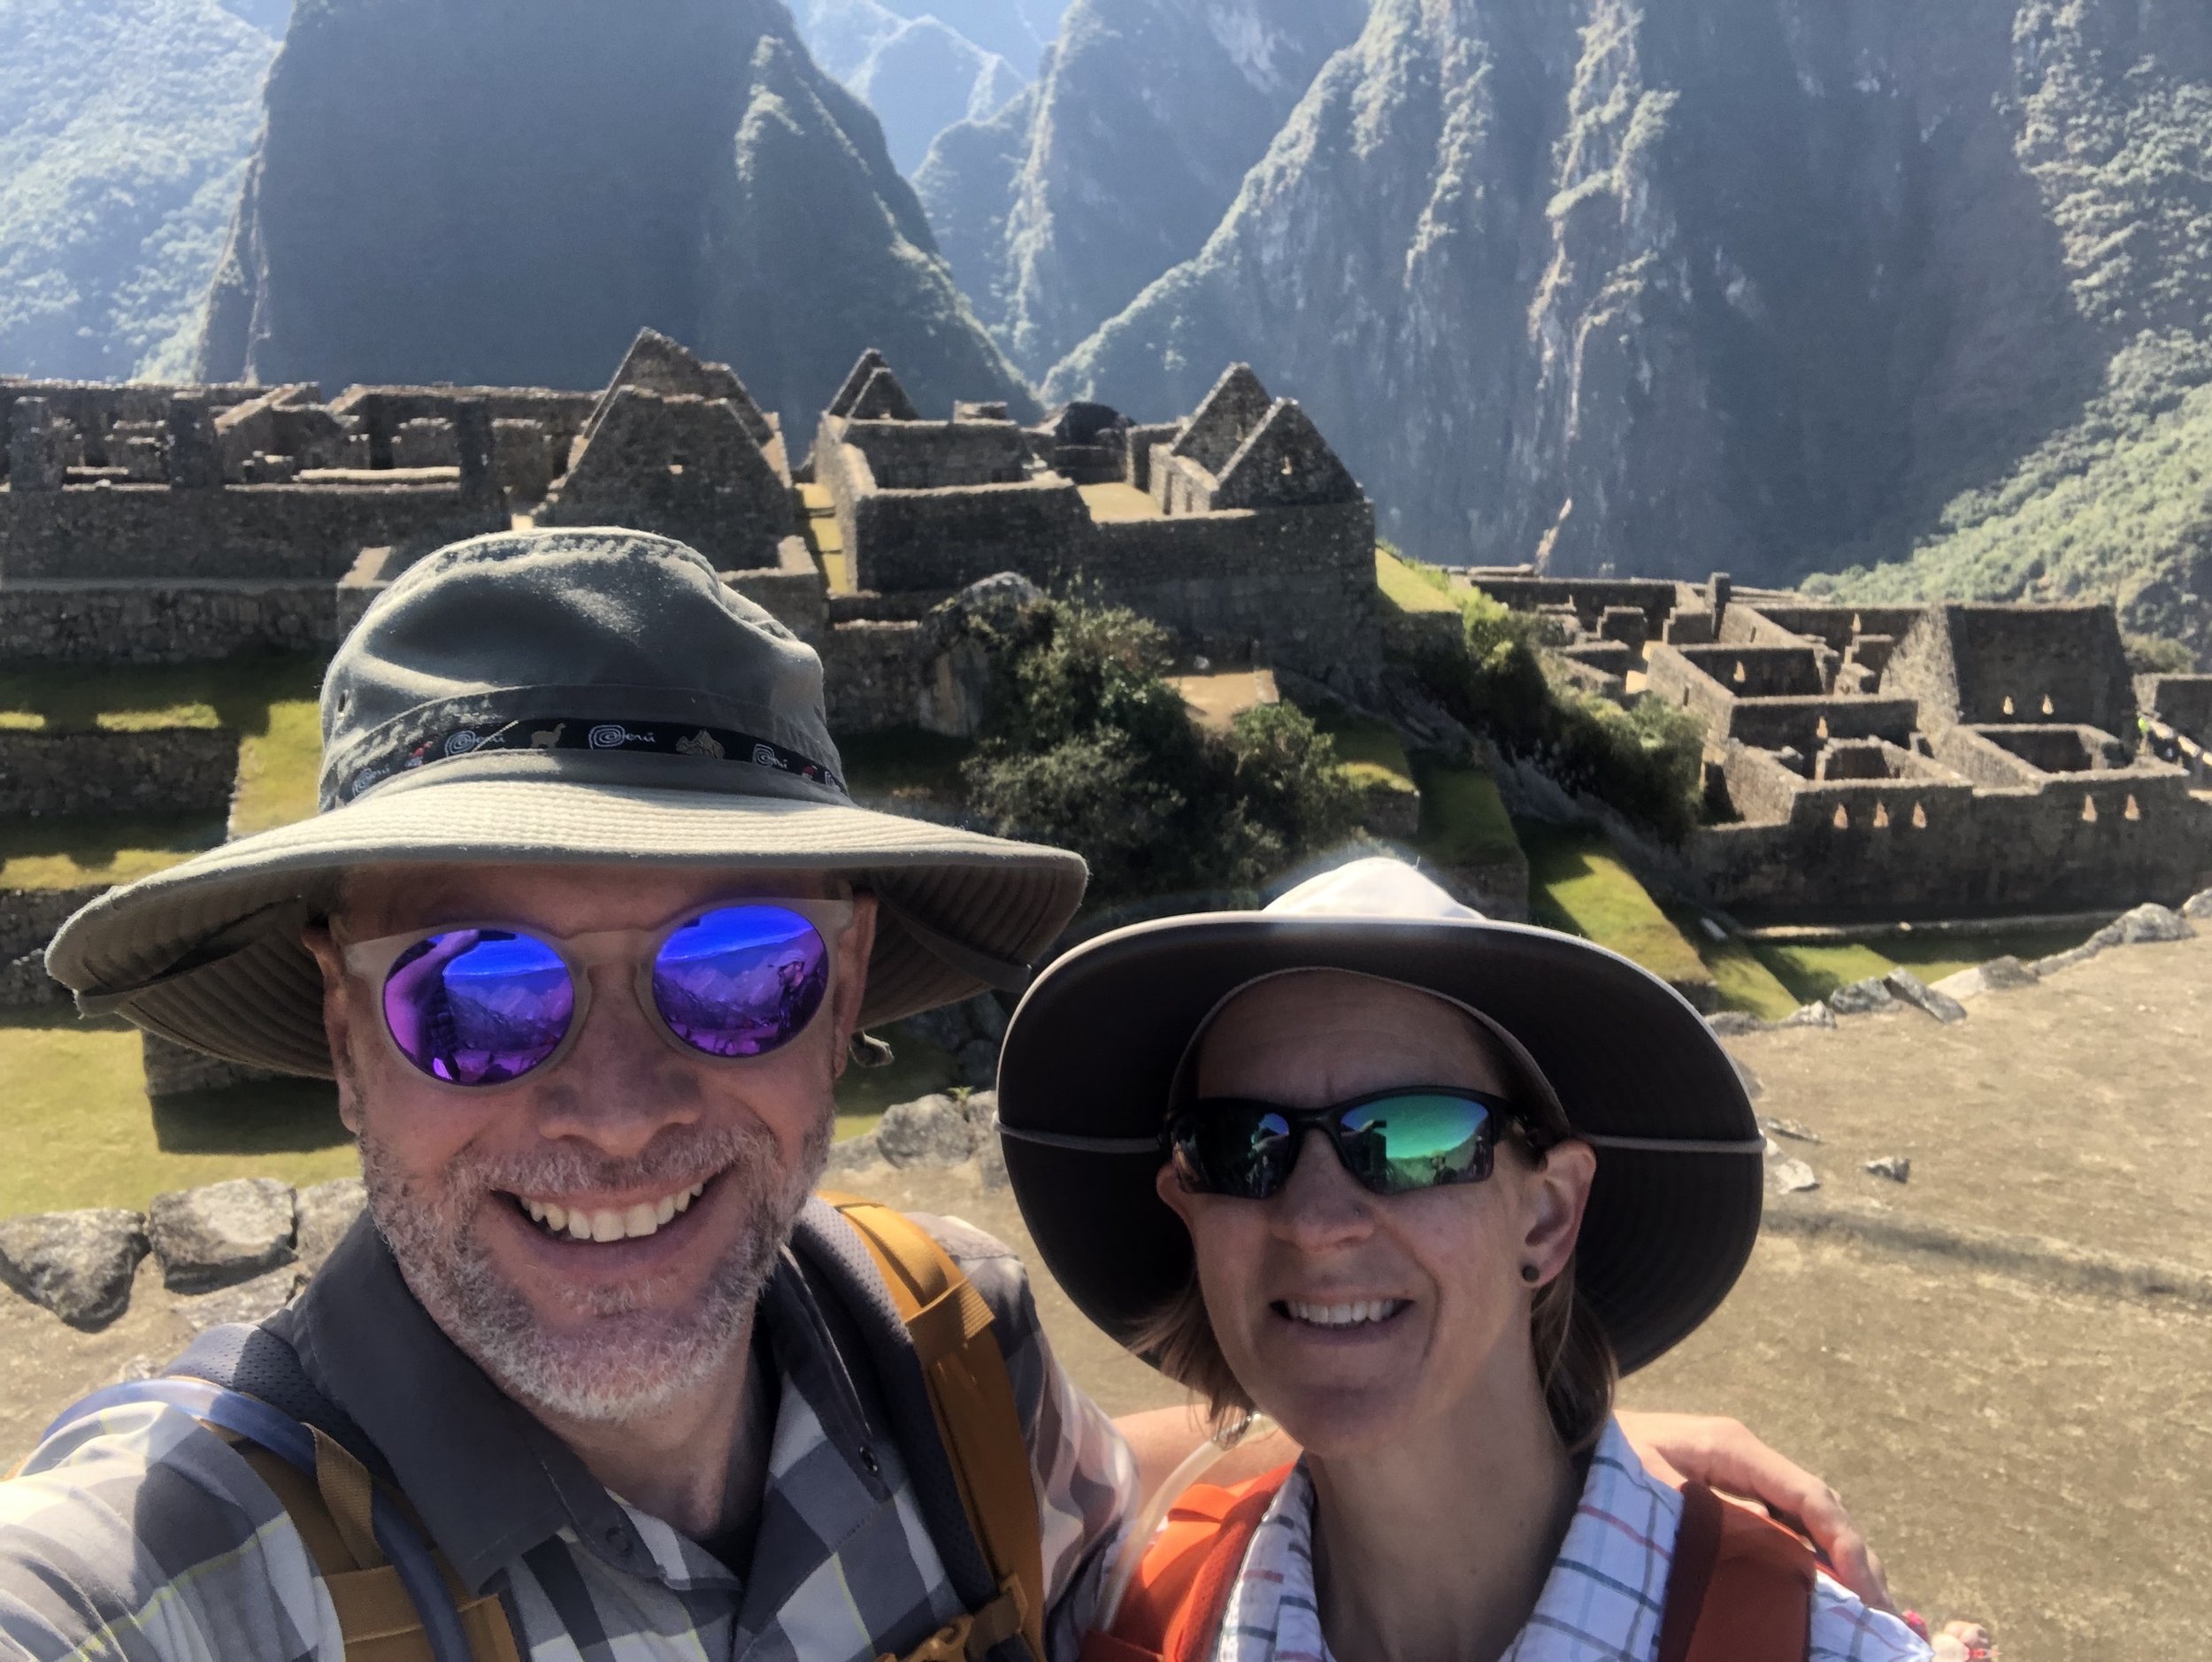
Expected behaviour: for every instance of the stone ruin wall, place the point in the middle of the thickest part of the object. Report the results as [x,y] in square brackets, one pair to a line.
[1916,762]
[163,770]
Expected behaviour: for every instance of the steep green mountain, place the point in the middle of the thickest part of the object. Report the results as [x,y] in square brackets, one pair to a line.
[503,191]
[124,130]
[1769,285]
[1057,211]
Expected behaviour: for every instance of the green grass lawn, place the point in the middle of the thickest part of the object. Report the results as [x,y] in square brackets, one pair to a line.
[267,699]
[1744,979]
[1812,970]
[1462,820]
[1578,883]
[1413,587]
[79,1132]
[1370,750]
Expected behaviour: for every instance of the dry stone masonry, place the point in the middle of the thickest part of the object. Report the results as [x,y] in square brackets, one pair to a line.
[183,523]
[1949,761]
[235,1249]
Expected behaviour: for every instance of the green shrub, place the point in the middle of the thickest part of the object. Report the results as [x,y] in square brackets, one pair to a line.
[1089,746]
[2160,655]
[1644,761]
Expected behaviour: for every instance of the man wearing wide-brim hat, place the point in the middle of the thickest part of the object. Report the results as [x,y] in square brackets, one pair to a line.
[585,928]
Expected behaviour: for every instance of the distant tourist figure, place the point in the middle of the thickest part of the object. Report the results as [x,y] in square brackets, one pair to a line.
[1413,1185]
[596,1375]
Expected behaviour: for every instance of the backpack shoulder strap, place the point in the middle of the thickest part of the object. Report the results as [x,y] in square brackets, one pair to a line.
[395,1598]
[1741,1590]
[971,1395]
[1173,1608]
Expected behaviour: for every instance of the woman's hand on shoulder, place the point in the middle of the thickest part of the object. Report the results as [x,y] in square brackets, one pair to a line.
[1722,1454]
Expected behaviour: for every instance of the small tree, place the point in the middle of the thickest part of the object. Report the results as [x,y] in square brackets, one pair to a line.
[1089,746]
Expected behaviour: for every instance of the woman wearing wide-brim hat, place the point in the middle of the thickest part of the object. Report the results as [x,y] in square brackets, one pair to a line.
[1415,1185]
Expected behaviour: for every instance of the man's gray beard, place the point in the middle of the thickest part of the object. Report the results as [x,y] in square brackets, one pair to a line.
[629,1359]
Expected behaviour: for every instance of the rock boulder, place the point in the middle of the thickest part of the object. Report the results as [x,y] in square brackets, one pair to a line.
[223,1233]
[931,1131]
[325,1211]
[79,1265]
[1907,988]
[1862,999]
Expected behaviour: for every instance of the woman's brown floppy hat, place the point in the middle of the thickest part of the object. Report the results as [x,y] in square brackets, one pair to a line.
[1093,1054]
[558,697]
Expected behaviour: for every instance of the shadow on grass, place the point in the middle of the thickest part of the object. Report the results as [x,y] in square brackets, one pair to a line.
[96,840]
[901,760]
[30,1017]
[289,1116]
[239,690]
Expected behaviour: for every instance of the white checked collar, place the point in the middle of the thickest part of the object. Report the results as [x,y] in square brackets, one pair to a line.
[1601,1602]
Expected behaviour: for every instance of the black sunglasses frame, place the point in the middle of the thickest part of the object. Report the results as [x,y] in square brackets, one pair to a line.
[1177,1140]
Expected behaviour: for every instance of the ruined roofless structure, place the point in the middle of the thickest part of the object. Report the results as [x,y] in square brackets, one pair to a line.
[172,524]
[1867,763]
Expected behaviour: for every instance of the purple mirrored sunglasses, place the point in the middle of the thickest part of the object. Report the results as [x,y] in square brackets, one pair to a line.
[481,1004]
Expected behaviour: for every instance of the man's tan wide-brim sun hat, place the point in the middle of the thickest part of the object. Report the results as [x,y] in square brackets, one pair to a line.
[1097,1051]
[591,695]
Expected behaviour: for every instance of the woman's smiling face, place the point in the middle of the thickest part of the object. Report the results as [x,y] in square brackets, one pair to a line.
[1353,1319]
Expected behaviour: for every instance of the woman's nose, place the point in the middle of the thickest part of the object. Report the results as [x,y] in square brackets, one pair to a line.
[1320,1204]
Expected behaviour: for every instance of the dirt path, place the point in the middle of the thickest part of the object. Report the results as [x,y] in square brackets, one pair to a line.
[1979,1359]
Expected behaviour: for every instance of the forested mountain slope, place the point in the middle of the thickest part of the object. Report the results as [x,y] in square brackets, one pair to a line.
[1058,211]
[473,193]
[123,131]
[1771,284]
[924,65]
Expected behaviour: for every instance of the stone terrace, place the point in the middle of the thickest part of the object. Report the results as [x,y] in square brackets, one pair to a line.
[1901,763]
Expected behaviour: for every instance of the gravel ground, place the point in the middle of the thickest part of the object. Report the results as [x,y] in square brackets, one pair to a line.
[2005,1364]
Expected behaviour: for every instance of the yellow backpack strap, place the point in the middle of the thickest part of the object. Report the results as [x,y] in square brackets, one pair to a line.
[376,1617]
[974,1397]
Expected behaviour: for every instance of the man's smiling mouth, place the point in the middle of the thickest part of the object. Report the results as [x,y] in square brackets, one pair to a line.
[607,1223]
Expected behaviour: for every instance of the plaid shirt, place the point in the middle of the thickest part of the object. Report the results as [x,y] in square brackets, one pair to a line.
[1600,1602]
[141,1534]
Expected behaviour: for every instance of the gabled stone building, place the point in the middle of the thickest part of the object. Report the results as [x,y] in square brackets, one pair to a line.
[1953,760]
[177,523]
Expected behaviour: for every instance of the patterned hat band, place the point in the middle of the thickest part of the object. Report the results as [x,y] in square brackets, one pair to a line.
[722,745]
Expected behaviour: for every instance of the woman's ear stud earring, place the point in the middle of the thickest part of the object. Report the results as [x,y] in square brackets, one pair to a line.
[1529,1273]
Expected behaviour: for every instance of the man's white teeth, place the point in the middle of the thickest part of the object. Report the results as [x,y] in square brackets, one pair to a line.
[1351,1315]
[607,1224]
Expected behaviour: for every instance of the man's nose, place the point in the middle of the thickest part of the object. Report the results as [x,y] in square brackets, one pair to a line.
[622,1083]
[1321,1205]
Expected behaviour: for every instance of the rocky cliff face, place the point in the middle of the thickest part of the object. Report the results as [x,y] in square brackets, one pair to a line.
[1144,122]
[503,191]
[1668,284]
[123,131]
[921,70]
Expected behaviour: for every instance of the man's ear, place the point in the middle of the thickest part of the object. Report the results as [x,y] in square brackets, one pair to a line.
[850,989]
[337,1019]
[1557,1191]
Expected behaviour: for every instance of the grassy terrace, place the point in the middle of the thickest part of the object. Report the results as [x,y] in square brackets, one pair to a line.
[1413,587]
[1578,884]
[269,701]
[1815,969]
[73,1114]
